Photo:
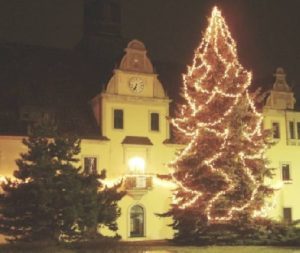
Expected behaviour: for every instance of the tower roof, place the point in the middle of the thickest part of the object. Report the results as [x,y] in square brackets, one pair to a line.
[135,58]
[281,96]
[280,81]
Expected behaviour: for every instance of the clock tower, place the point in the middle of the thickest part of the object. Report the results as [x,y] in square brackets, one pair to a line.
[135,90]
[135,76]
[133,110]
[132,114]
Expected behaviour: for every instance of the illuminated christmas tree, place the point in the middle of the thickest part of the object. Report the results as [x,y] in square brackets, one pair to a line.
[221,171]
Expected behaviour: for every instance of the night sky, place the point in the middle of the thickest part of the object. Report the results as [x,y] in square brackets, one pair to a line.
[266,31]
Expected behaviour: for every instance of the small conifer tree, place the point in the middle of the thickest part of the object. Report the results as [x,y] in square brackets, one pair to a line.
[51,198]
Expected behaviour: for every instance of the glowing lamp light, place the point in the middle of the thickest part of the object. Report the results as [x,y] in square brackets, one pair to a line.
[136,165]
[2,180]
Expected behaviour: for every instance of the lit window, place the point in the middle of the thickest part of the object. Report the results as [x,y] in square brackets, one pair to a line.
[287,215]
[118,119]
[276,130]
[136,165]
[286,176]
[90,165]
[292,130]
[137,221]
[154,121]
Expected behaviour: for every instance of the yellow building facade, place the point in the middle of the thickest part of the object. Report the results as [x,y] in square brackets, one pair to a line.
[132,114]
[280,116]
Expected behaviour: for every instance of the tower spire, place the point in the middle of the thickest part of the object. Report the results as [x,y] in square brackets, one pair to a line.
[280,80]
[281,96]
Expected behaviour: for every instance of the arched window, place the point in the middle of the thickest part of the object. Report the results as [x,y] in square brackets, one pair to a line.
[137,221]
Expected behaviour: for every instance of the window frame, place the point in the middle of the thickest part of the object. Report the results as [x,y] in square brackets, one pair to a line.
[114,119]
[283,178]
[298,129]
[83,163]
[278,124]
[150,121]
[144,222]
[291,128]
[288,219]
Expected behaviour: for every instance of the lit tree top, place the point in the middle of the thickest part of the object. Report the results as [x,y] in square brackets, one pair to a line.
[223,131]
[215,73]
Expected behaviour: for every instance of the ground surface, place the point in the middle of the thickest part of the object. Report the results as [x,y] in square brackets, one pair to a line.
[150,249]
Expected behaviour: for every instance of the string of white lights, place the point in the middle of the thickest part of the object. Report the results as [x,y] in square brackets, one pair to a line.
[197,83]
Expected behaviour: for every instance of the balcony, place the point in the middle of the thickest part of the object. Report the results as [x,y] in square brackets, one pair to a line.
[138,185]
[293,142]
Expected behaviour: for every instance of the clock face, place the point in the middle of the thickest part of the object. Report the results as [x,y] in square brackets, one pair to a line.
[136,84]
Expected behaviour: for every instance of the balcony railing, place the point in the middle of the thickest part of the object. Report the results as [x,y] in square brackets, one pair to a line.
[293,142]
[138,182]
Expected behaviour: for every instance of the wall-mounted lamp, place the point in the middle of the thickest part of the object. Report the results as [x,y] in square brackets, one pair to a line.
[136,165]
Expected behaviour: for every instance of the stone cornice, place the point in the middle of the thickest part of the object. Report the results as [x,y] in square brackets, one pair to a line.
[135,99]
